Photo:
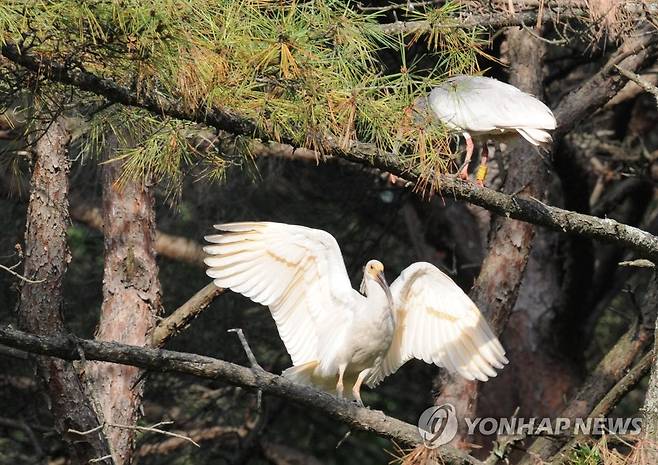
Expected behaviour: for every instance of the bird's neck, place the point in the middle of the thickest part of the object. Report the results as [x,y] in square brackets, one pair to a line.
[377,297]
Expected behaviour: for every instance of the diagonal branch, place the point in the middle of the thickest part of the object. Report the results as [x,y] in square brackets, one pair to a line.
[589,96]
[167,361]
[634,53]
[183,315]
[637,79]
[598,389]
[608,402]
[158,104]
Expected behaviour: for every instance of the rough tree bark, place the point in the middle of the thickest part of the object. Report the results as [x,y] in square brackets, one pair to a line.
[600,391]
[530,340]
[167,361]
[496,288]
[650,409]
[131,300]
[632,55]
[166,245]
[46,259]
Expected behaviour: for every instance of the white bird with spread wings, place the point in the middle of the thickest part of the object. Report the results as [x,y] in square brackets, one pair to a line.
[339,338]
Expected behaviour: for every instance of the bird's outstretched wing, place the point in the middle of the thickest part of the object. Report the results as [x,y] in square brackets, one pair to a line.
[437,322]
[297,272]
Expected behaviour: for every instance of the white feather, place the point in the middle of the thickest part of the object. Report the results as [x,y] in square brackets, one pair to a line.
[484,106]
[299,274]
[297,271]
[437,322]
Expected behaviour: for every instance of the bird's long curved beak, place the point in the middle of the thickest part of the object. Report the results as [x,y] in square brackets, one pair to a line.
[381,280]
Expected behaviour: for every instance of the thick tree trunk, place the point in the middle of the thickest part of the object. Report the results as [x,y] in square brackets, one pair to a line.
[131,300]
[46,259]
[531,340]
[496,288]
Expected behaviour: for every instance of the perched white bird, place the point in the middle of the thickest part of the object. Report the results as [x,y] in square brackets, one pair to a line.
[485,108]
[337,337]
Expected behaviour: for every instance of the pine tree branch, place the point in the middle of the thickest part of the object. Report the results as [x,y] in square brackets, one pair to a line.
[493,21]
[157,104]
[592,94]
[167,361]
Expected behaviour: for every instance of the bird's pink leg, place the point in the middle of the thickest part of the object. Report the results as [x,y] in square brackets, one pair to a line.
[339,385]
[482,169]
[463,172]
[356,390]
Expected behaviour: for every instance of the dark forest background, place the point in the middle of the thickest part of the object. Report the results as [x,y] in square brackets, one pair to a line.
[576,314]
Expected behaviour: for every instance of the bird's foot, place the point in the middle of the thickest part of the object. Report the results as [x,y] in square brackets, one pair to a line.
[463,174]
[480,175]
[392,179]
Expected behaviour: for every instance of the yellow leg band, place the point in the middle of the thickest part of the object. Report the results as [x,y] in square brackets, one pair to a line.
[481,173]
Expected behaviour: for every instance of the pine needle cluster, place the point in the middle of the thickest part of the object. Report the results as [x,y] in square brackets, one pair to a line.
[303,71]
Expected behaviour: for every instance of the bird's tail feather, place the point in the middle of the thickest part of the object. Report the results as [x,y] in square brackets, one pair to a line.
[302,374]
[306,374]
[535,136]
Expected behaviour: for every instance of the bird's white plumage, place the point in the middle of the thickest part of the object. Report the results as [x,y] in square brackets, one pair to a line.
[297,272]
[479,105]
[329,329]
[437,322]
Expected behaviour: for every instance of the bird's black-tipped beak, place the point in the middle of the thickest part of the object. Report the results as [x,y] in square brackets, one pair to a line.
[381,280]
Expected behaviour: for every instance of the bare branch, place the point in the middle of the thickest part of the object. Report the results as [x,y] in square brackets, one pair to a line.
[198,435]
[21,277]
[632,54]
[205,367]
[101,459]
[85,433]
[624,385]
[491,21]
[184,314]
[580,103]
[592,394]
[608,402]
[247,350]
[155,429]
[637,79]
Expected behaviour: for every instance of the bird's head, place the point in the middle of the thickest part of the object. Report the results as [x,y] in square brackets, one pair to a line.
[373,275]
